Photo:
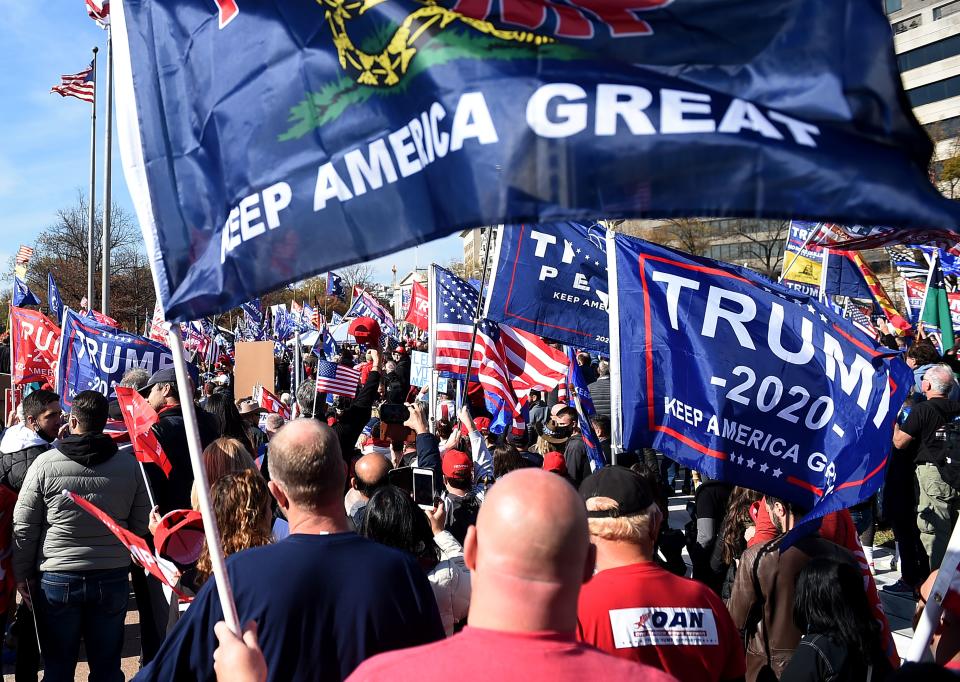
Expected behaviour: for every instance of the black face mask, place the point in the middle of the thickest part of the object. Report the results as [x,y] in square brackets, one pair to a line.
[44,436]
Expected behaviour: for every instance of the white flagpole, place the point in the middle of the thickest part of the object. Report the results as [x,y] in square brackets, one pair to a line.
[616,414]
[931,612]
[432,340]
[108,156]
[146,482]
[210,529]
[93,182]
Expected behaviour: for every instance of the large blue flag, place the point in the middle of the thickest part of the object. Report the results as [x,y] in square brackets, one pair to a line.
[53,298]
[551,280]
[95,356]
[294,138]
[22,294]
[748,381]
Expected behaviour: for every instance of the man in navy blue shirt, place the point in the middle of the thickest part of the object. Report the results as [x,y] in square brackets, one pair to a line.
[324,599]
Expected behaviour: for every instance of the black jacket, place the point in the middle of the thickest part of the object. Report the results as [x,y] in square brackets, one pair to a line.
[14,465]
[600,393]
[174,492]
[820,658]
[354,418]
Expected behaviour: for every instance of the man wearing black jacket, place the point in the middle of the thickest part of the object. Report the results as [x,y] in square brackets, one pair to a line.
[169,493]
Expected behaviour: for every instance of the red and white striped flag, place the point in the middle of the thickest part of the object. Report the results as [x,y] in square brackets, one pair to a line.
[337,379]
[99,12]
[860,320]
[508,362]
[24,254]
[81,85]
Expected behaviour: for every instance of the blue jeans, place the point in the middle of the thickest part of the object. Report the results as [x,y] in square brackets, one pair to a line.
[88,605]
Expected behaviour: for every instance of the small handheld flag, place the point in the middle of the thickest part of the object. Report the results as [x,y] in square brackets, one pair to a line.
[337,379]
[22,294]
[140,417]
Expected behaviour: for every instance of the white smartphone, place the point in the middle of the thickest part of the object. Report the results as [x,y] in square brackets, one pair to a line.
[423,488]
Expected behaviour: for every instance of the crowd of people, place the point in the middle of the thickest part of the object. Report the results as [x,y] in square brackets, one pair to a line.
[527,562]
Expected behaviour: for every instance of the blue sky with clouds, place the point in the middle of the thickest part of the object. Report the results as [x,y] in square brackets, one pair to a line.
[45,152]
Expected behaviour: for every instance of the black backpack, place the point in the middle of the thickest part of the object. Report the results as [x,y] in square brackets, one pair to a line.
[945,445]
[462,515]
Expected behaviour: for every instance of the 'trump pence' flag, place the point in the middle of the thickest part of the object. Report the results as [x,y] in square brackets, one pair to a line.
[421,119]
[750,382]
[139,418]
[551,280]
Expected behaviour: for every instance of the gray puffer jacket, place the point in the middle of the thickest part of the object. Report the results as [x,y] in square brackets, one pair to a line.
[52,533]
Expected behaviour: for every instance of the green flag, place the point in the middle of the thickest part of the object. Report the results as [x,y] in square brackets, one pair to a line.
[936,306]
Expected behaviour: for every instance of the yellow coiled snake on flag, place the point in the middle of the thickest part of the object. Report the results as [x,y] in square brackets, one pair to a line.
[386,68]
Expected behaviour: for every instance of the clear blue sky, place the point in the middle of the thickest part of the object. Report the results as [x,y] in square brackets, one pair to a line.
[45,152]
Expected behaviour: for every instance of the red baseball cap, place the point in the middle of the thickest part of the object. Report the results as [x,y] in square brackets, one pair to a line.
[482,424]
[457,465]
[555,462]
[179,535]
[366,331]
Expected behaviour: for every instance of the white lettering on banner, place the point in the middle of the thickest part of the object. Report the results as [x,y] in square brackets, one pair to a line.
[244,220]
[663,626]
[557,110]
[856,375]
[111,360]
[414,146]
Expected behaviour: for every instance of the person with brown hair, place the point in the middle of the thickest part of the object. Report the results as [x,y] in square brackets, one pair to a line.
[241,503]
[732,542]
[222,457]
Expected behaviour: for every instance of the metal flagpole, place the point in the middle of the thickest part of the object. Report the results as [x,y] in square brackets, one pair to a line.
[616,414]
[813,233]
[93,183]
[210,529]
[105,280]
[476,320]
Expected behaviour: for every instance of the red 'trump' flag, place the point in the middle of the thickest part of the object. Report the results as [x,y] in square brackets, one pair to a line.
[137,545]
[139,418]
[270,402]
[418,312]
[36,346]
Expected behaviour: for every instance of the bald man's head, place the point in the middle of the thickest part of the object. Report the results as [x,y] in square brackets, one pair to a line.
[305,458]
[369,473]
[533,526]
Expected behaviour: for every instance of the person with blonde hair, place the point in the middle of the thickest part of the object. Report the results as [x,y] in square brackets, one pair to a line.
[241,503]
[634,609]
[222,457]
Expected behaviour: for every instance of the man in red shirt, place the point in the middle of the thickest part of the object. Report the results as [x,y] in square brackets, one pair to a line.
[636,610]
[528,555]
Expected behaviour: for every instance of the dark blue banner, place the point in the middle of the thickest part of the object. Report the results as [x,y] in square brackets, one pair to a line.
[751,382]
[94,357]
[297,137]
[842,277]
[551,279]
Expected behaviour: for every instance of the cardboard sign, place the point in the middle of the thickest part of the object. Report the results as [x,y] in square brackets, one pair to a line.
[254,365]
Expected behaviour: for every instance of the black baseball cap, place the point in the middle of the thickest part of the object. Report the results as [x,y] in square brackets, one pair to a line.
[623,486]
[161,376]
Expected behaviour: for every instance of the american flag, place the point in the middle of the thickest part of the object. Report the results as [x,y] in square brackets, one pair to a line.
[859,319]
[909,262]
[337,379]
[509,362]
[99,11]
[80,85]
[24,254]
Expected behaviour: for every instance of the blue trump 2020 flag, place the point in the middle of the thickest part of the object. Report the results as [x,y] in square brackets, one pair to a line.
[278,140]
[748,381]
[335,285]
[551,279]
[95,356]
